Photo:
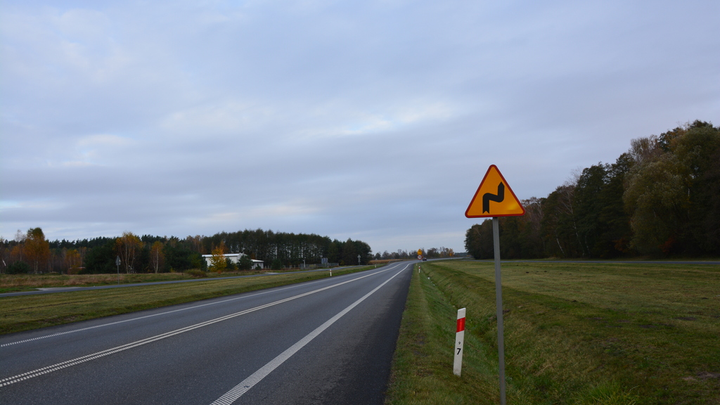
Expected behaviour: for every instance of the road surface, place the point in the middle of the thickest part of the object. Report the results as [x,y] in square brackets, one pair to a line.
[328,341]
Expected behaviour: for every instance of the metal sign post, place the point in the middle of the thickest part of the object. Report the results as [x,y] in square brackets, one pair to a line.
[499,305]
[495,189]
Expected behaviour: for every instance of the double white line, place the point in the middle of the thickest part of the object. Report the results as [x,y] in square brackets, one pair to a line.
[69,363]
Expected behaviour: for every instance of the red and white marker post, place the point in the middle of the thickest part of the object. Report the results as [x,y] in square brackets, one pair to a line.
[459,340]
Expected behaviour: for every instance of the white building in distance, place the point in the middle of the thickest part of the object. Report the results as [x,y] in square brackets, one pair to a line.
[235,258]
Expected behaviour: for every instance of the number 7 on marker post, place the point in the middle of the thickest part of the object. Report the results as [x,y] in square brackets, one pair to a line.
[459,340]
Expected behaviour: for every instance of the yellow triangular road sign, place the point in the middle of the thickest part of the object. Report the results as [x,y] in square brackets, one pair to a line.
[494,198]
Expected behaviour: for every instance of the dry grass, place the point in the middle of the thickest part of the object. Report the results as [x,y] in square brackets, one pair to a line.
[31,282]
[28,282]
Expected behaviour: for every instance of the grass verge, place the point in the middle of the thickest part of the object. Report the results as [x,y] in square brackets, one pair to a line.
[37,311]
[31,282]
[574,334]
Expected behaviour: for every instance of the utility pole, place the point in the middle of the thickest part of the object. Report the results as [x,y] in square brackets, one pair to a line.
[117,264]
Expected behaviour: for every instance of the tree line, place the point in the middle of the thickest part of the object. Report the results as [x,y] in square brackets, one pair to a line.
[30,252]
[405,255]
[661,198]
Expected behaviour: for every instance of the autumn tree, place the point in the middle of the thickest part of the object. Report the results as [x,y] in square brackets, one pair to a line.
[157,257]
[217,261]
[17,253]
[36,249]
[672,191]
[127,247]
[73,261]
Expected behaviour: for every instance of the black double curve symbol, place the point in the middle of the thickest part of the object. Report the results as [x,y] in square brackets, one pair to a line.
[487,197]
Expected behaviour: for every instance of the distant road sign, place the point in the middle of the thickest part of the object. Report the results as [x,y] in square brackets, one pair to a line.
[494,198]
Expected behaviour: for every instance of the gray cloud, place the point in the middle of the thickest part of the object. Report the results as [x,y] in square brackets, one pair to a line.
[370,120]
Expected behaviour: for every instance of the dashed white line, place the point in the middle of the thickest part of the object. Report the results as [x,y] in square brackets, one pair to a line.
[58,366]
[148,316]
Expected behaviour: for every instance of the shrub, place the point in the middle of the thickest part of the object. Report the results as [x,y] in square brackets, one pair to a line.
[196,273]
[19,267]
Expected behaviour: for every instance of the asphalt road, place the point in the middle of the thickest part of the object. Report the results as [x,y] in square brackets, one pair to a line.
[328,341]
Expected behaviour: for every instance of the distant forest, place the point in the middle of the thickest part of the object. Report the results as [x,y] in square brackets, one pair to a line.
[31,253]
[659,199]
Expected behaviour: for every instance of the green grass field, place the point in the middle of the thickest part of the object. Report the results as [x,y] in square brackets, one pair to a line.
[37,311]
[574,334]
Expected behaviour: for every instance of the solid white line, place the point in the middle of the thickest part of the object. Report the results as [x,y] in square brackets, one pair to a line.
[239,390]
[154,315]
[58,366]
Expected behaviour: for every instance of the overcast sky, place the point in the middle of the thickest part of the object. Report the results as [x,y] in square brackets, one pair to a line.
[370,120]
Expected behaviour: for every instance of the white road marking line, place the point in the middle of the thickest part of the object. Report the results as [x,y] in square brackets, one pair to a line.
[58,366]
[126,320]
[149,316]
[239,390]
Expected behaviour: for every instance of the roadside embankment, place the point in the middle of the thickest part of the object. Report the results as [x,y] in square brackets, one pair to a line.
[598,333]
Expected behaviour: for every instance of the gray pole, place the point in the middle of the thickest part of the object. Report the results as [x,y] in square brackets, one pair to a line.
[117,263]
[498,304]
